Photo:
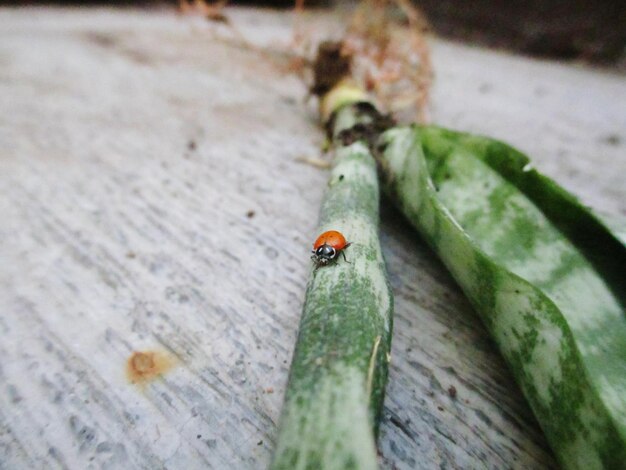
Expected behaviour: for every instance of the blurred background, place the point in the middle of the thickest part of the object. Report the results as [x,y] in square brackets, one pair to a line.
[588,30]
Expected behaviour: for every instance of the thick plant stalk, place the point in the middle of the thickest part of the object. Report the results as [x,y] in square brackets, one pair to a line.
[545,275]
[339,369]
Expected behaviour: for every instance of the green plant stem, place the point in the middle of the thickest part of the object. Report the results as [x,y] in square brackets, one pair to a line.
[339,370]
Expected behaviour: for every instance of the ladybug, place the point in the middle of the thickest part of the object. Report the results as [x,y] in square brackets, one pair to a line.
[328,246]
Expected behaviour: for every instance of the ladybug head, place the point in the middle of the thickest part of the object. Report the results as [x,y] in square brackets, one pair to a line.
[324,255]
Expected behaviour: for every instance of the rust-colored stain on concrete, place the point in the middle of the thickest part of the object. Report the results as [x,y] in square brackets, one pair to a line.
[145,366]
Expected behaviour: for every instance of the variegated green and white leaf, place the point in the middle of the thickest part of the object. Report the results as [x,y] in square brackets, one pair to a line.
[543,272]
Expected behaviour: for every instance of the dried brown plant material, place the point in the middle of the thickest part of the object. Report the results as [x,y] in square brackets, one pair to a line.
[391,59]
[315,162]
[385,41]
[331,66]
[212,12]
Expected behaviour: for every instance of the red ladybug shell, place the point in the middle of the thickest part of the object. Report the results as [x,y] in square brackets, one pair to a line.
[332,238]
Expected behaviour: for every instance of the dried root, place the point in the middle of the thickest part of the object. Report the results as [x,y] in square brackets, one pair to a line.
[213,12]
[390,55]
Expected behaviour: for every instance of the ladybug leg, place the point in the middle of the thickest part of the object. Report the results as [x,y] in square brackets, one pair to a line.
[343,254]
